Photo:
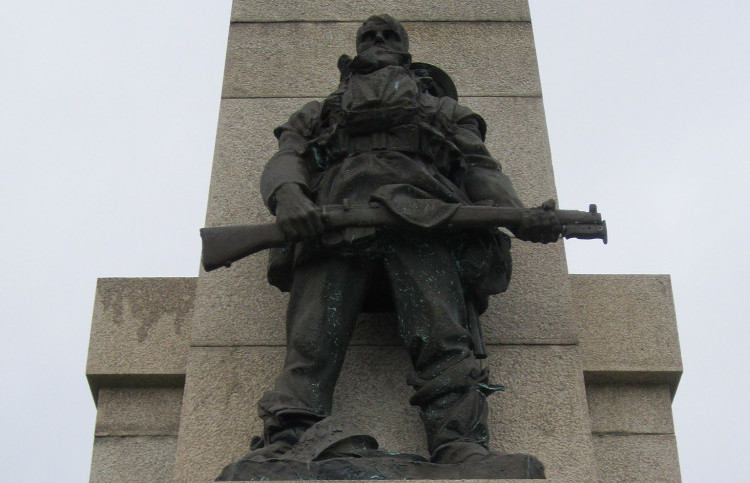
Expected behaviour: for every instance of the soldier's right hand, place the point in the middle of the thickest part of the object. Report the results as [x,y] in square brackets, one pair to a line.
[540,225]
[297,216]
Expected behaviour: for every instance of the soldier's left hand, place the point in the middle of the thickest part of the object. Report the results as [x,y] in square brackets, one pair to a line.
[540,225]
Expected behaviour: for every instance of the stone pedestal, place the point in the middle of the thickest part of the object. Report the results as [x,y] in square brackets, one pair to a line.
[590,362]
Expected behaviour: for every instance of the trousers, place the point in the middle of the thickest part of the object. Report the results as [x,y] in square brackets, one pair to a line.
[326,297]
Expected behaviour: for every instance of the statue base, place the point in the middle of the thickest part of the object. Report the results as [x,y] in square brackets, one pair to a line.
[386,466]
[335,449]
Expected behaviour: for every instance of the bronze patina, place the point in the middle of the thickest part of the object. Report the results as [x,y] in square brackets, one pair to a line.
[386,183]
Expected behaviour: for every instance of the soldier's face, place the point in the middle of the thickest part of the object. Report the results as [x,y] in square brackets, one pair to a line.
[379,34]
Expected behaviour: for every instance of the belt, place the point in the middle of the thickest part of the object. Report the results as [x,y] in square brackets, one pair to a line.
[403,138]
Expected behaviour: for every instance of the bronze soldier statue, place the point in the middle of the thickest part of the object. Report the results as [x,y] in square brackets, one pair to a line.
[392,132]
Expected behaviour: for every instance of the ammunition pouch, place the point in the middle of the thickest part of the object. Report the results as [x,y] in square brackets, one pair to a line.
[484,263]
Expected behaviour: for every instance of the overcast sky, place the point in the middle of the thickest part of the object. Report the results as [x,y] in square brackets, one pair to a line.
[107,124]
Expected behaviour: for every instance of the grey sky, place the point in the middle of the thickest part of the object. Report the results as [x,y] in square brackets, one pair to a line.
[107,122]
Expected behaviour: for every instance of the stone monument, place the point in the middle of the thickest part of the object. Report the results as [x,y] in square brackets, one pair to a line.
[590,362]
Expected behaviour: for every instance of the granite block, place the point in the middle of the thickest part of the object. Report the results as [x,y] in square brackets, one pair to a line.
[517,138]
[133,459]
[139,331]
[279,60]
[628,328]
[543,411]
[358,10]
[236,306]
[126,411]
[219,416]
[630,458]
[244,143]
[630,408]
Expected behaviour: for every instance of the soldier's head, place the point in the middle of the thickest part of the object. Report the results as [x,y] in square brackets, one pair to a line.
[382,32]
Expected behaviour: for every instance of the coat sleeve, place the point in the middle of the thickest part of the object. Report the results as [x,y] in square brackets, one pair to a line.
[480,175]
[290,163]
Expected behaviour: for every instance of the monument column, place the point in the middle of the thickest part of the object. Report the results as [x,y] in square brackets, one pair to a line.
[277,60]
[582,357]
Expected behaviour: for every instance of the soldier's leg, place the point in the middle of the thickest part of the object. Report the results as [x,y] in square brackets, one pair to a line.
[432,323]
[325,298]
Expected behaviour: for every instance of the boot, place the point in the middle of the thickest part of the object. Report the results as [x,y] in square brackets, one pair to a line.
[454,412]
[278,439]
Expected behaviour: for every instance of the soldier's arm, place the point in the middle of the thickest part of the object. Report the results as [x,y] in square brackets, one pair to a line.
[285,180]
[482,180]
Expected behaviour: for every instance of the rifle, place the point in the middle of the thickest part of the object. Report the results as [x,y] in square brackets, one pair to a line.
[223,245]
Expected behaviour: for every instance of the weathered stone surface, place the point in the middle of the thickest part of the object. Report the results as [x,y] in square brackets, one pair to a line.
[129,411]
[645,457]
[517,138]
[628,328]
[630,408]
[279,60]
[218,415]
[542,412]
[543,409]
[244,143]
[358,10]
[139,331]
[534,310]
[133,459]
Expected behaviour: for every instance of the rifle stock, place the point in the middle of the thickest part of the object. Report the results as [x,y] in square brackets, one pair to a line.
[223,245]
